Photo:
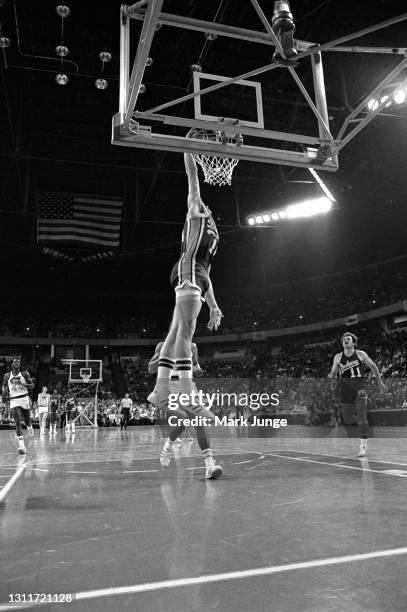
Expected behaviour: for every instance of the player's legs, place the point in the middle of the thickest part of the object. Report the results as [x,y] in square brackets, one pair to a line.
[189,305]
[174,433]
[166,363]
[68,421]
[18,416]
[361,408]
[212,470]
[348,414]
[125,418]
[357,413]
[27,420]
[177,346]
[53,423]
[43,422]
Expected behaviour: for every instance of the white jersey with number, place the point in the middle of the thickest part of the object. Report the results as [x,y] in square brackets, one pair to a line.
[126,403]
[43,402]
[17,391]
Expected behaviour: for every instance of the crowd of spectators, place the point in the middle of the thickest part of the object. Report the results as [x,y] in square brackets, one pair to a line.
[298,369]
[298,373]
[257,308]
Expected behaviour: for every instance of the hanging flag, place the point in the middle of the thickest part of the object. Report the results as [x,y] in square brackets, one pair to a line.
[69,218]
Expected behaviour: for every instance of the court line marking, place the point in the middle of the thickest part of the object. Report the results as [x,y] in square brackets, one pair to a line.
[136,471]
[79,472]
[9,485]
[66,460]
[259,465]
[211,578]
[341,465]
[342,457]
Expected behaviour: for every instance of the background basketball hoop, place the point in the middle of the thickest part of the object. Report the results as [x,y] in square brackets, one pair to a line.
[85,374]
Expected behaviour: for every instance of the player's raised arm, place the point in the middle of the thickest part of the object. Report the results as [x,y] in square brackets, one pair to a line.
[194,193]
[373,368]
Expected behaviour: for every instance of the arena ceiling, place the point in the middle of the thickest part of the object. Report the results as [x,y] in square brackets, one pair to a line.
[57,138]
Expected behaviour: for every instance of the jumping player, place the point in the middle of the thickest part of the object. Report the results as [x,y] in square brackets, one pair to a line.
[16,385]
[350,365]
[212,469]
[192,284]
[43,403]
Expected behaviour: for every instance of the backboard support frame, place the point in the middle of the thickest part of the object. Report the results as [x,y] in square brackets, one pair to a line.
[319,152]
[85,388]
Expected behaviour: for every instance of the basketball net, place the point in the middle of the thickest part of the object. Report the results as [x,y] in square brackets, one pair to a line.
[216,170]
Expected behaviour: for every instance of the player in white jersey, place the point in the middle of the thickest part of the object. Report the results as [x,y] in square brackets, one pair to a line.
[126,405]
[16,385]
[43,403]
[212,469]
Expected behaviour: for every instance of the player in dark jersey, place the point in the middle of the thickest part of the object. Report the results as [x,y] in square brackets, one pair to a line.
[350,366]
[54,406]
[191,281]
[70,411]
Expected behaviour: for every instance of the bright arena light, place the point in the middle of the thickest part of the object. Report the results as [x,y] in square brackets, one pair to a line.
[400,96]
[372,104]
[309,208]
[383,100]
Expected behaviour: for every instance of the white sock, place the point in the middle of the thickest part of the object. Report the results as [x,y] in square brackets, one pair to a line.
[165,369]
[184,371]
[168,444]
[208,456]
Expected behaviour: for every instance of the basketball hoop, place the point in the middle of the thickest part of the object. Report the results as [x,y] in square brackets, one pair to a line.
[85,378]
[216,170]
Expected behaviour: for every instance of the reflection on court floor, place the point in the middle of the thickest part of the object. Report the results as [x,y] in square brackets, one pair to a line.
[294,524]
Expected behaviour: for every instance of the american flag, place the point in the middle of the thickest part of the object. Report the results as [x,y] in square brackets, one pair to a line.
[65,217]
